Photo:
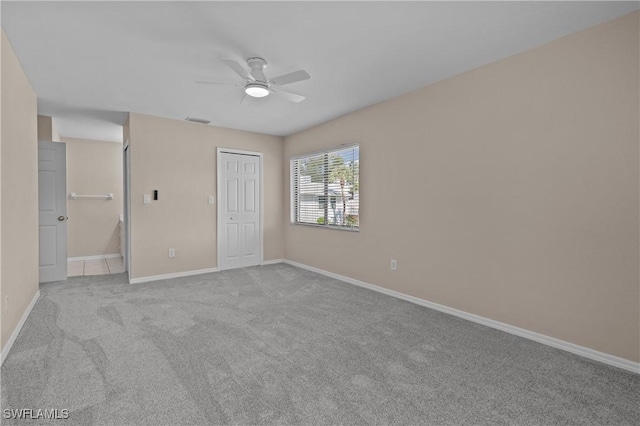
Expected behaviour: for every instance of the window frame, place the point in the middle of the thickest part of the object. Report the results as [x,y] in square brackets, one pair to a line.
[295,200]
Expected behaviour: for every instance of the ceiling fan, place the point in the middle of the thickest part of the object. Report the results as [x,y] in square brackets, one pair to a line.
[256,83]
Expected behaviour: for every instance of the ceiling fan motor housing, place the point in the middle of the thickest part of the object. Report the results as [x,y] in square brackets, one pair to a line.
[257,65]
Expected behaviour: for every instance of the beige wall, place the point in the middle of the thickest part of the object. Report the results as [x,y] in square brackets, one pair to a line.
[93,167]
[178,159]
[19,182]
[510,191]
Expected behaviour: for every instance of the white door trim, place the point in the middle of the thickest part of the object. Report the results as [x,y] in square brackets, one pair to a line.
[219,192]
[126,178]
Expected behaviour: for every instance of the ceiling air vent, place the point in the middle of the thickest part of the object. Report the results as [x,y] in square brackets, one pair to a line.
[197,120]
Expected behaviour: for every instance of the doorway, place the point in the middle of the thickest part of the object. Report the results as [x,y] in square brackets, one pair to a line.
[239,208]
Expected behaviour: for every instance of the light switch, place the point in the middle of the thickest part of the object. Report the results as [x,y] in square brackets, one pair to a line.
[212,199]
[147,199]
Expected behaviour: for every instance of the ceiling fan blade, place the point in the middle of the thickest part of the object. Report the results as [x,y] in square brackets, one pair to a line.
[293,97]
[292,77]
[234,65]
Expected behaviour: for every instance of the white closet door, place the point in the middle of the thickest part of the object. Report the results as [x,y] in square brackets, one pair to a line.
[239,242]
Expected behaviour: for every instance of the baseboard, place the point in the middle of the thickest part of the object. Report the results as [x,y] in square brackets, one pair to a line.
[97,257]
[592,354]
[16,331]
[170,276]
[272,261]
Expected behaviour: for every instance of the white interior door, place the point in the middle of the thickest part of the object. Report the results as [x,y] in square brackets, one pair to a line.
[52,205]
[239,192]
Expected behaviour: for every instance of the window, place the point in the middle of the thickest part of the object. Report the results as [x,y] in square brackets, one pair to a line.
[325,188]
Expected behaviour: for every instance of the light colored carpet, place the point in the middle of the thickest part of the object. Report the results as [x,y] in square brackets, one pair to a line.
[281,345]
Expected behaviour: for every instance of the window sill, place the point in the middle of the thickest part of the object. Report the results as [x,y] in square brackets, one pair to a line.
[334,227]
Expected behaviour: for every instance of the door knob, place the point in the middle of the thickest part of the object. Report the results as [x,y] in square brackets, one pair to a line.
[61,218]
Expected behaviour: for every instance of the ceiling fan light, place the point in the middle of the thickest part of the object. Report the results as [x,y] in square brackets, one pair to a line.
[256,90]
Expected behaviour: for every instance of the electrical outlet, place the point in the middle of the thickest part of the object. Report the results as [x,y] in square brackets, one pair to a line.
[172,252]
[212,199]
[394,264]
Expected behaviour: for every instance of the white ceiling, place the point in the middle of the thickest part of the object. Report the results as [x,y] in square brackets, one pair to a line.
[90,63]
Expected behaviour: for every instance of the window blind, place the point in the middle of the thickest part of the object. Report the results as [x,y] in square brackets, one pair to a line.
[325,188]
